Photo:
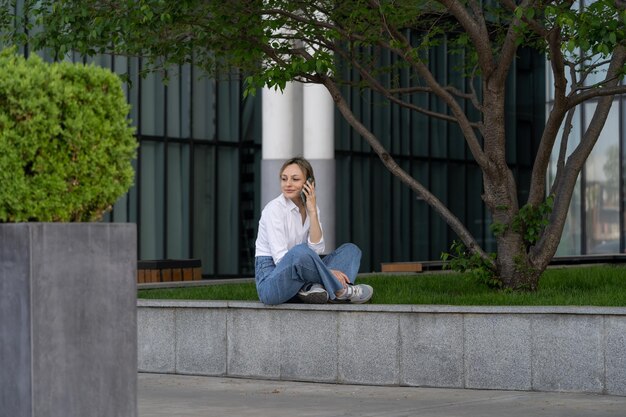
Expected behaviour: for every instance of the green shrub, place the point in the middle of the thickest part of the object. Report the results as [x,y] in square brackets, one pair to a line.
[66,144]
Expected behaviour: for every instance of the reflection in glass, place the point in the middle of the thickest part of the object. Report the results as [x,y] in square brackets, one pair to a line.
[602,188]
[571,238]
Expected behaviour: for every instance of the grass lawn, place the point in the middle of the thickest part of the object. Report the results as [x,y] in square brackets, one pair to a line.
[581,286]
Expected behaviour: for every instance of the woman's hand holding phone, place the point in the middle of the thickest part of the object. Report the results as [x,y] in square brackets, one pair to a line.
[308,190]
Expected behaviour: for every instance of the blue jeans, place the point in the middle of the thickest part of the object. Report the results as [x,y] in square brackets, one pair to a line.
[277,284]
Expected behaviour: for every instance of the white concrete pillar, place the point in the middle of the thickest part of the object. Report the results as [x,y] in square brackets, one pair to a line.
[282,135]
[319,123]
[319,148]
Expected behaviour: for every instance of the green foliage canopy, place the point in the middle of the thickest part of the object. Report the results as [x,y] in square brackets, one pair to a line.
[66,145]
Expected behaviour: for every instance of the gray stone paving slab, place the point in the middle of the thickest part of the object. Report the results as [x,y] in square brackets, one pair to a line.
[156,347]
[432,350]
[253,343]
[568,353]
[201,342]
[191,396]
[368,348]
[308,344]
[498,352]
[616,356]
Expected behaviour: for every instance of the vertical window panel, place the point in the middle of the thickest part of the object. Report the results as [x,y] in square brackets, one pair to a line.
[178,97]
[420,127]
[380,220]
[475,209]
[403,128]
[228,111]
[438,227]
[400,208]
[204,207]
[203,107]
[456,142]
[177,201]
[250,122]
[361,213]
[343,199]
[438,128]
[421,233]
[523,143]
[133,91]
[457,190]
[152,197]
[227,211]
[511,118]
[152,105]
[120,67]
[120,210]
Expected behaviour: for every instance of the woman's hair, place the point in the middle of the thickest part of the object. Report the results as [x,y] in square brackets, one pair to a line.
[304,165]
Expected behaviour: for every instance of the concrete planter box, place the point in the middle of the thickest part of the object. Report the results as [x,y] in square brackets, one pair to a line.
[68,332]
[511,348]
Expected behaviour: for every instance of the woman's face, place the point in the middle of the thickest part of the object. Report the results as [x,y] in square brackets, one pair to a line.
[291,182]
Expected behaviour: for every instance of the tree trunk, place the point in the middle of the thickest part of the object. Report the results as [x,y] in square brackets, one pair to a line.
[513,266]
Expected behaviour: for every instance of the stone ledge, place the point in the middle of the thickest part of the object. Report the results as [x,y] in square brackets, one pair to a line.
[571,349]
[391,308]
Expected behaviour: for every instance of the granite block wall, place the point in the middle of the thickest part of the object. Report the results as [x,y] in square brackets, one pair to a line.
[510,348]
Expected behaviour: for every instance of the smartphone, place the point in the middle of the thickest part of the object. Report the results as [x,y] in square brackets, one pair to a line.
[302,195]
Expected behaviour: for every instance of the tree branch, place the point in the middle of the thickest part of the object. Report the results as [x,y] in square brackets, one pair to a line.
[537,189]
[378,87]
[395,169]
[594,93]
[451,89]
[560,165]
[476,28]
[466,126]
[542,252]
[509,49]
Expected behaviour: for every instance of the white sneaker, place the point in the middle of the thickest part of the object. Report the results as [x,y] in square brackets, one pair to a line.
[313,294]
[355,294]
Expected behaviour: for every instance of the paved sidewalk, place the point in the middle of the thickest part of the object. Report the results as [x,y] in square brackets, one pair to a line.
[191,396]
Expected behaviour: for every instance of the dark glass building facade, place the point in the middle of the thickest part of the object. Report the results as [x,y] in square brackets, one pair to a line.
[196,192]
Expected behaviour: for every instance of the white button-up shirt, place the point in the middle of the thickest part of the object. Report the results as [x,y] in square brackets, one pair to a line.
[281,228]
